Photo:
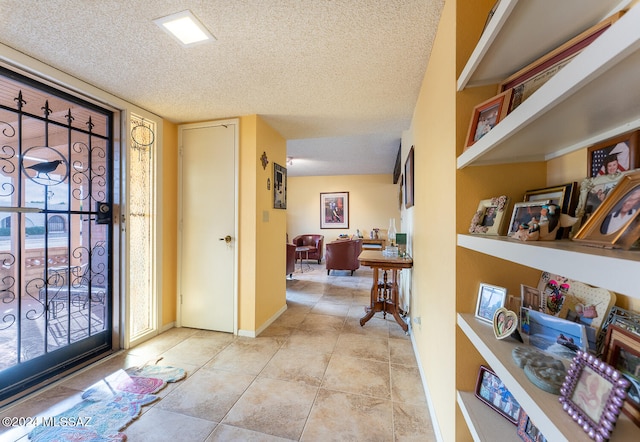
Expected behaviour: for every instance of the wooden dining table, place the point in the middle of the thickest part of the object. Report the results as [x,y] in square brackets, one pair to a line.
[384,293]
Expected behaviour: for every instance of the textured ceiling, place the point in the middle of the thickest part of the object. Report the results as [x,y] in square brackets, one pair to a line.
[338,79]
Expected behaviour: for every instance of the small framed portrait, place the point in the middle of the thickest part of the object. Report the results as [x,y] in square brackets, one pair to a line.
[622,351]
[564,196]
[593,394]
[615,224]
[491,391]
[486,115]
[614,155]
[593,192]
[279,187]
[490,299]
[489,217]
[525,216]
[334,210]
[527,431]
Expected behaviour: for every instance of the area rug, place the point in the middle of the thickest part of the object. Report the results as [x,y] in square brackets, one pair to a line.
[108,406]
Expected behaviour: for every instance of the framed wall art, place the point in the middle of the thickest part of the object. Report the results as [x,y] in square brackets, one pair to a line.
[616,222]
[486,115]
[614,155]
[334,210]
[490,299]
[489,216]
[279,187]
[491,391]
[593,394]
[530,78]
[408,180]
[622,351]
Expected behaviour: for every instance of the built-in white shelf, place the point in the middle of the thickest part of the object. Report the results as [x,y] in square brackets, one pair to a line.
[483,422]
[543,408]
[615,270]
[594,97]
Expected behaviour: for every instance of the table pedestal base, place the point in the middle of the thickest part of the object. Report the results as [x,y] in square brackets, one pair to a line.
[384,298]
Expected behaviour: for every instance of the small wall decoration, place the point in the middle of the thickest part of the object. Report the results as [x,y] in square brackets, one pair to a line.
[614,155]
[279,187]
[334,210]
[408,180]
[486,115]
[593,394]
[490,299]
[489,217]
[264,160]
[622,351]
[491,391]
[615,224]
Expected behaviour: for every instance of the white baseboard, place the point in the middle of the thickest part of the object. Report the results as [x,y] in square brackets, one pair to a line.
[432,413]
[254,334]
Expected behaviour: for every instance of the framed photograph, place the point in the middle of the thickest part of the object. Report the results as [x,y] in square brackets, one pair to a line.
[408,180]
[564,196]
[491,391]
[530,78]
[527,431]
[593,394]
[486,115]
[614,155]
[334,210]
[489,217]
[525,215]
[615,223]
[279,187]
[555,336]
[593,192]
[531,297]
[490,299]
[623,318]
[622,352]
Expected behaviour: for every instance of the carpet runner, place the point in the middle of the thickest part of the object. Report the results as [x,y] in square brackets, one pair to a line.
[108,406]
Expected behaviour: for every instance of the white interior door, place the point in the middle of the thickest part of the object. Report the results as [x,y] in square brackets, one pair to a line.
[207,274]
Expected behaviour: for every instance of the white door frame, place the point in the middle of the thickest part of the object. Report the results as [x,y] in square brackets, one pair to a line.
[235,122]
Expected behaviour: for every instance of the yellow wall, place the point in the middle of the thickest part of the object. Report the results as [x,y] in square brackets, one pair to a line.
[168,211]
[373,200]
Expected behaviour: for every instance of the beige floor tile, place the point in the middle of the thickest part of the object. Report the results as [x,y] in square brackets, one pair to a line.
[297,366]
[412,423]
[363,347]
[337,416]
[227,433]
[316,322]
[358,376]
[95,373]
[273,407]
[246,355]
[310,340]
[208,394]
[331,309]
[161,425]
[162,342]
[198,350]
[406,385]
[401,352]
[374,327]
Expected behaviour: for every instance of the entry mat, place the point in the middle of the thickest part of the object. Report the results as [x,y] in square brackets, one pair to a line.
[108,406]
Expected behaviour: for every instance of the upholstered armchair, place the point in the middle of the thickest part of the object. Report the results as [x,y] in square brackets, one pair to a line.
[343,255]
[316,244]
[291,259]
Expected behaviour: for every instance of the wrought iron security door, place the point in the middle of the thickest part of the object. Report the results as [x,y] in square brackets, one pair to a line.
[56,180]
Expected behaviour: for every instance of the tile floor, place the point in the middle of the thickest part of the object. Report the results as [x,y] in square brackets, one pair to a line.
[314,375]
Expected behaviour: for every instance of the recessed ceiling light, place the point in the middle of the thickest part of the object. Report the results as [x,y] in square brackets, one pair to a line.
[185,27]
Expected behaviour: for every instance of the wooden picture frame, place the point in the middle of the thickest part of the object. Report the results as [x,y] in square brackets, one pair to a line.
[491,391]
[593,191]
[279,187]
[489,217]
[530,78]
[622,352]
[334,210]
[564,196]
[593,394]
[486,115]
[618,154]
[408,180]
[523,213]
[616,222]
[490,299]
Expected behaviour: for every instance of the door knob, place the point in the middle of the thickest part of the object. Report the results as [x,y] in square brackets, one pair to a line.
[226,239]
